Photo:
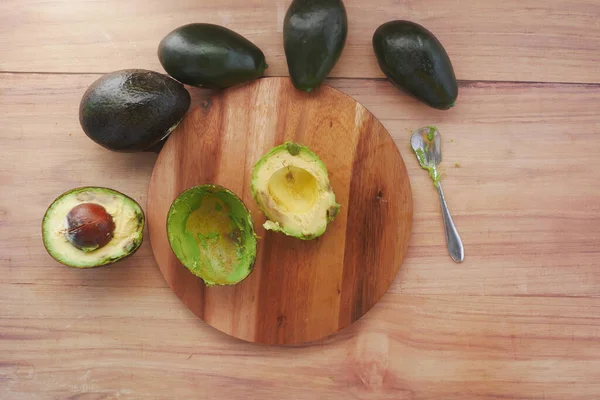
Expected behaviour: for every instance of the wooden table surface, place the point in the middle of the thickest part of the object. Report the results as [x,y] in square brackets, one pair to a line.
[519,319]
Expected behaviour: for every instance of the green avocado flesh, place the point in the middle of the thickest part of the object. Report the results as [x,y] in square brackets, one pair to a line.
[314,35]
[67,243]
[291,186]
[423,159]
[132,110]
[211,233]
[433,173]
[211,56]
[415,61]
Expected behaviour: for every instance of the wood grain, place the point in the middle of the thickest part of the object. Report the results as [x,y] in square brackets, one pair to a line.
[546,40]
[517,320]
[299,291]
[522,194]
[95,342]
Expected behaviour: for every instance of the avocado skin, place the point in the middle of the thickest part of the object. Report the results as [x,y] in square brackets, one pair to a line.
[132,110]
[414,60]
[314,35]
[210,56]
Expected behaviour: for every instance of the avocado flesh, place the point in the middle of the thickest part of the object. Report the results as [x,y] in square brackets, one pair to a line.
[291,186]
[132,110]
[127,236]
[212,234]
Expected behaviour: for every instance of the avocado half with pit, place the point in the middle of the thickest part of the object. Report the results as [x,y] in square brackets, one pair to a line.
[291,186]
[92,226]
[210,230]
[133,109]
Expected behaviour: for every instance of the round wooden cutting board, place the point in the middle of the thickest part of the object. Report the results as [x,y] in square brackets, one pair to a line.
[299,291]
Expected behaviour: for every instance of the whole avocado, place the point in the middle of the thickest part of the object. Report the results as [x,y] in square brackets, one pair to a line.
[133,109]
[314,35]
[414,60]
[210,56]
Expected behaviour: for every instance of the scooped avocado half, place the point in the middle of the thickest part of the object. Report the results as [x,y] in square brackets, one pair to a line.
[92,226]
[211,233]
[291,186]
[132,110]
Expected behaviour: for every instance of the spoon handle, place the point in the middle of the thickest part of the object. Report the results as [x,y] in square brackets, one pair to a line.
[453,241]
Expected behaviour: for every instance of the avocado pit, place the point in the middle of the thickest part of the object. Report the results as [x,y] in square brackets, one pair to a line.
[89,226]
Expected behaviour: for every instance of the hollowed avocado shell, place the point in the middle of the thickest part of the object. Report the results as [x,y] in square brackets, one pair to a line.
[206,253]
[289,222]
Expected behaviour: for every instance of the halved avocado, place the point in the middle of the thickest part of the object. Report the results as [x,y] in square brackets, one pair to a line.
[211,232]
[133,109]
[291,186]
[92,226]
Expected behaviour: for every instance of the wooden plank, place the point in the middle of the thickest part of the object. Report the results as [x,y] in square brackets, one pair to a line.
[93,342]
[517,172]
[525,197]
[545,40]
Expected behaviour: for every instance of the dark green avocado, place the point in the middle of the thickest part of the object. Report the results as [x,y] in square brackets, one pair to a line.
[132,110]
[210,56]
[414,60]
[314,35]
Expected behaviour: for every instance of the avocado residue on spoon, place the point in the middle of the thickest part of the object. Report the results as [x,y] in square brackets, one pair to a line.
[433,172]
[431,133]
[426,143]
[423,159]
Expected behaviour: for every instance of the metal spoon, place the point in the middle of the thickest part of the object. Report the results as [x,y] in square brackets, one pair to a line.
[427,145]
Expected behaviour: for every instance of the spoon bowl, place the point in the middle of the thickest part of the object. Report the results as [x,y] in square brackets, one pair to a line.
[429,140]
